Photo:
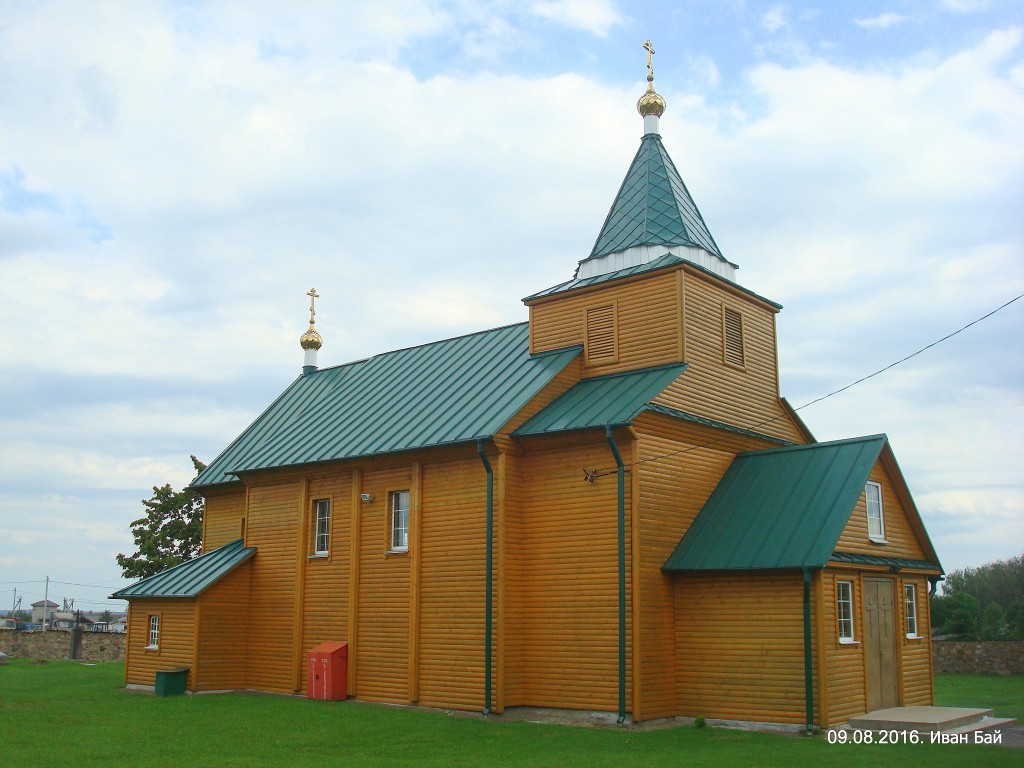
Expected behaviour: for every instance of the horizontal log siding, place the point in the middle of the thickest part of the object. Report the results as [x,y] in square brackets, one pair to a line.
[747,397]
[325,598]
[672,491]
[452,581]
[271,528]
[177,632]
[569,590]
[222,516]
[382,668]
[916,655]
[902,540]
[847,695]
[649,331]
[223,612]
[740,647]
[510,581]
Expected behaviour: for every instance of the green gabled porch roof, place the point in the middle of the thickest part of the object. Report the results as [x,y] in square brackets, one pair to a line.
[452,391]
[603,401]
[192,577]
[653,207]
[779,508]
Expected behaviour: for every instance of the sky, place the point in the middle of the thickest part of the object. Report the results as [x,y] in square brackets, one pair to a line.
[175,176]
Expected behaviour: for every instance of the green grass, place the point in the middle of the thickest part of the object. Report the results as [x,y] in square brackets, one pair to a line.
[1003,695]
[63,713]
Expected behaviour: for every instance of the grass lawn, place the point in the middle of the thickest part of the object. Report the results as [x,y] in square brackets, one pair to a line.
[62,713]
[1003,695]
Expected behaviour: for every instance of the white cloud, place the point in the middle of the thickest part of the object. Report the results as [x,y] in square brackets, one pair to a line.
[966,6]
[882,21]
[595,16]
[775,18]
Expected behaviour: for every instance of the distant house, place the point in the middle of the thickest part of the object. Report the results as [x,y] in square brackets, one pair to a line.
[42,610]
[8,622]
[68,619]
[609,507]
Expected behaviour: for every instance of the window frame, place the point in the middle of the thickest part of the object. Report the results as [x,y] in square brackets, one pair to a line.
[326,534]
[848,637]
[394,519]
[153,632]
[879,537]
[910,612]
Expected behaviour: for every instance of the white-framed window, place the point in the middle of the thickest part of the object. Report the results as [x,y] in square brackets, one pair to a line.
[399,521]
[844,610]
[910,609]
[876,519]
[154,632]
[322,534]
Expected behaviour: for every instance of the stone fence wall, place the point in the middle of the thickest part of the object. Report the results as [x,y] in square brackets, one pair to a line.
[56,644]
[988,658]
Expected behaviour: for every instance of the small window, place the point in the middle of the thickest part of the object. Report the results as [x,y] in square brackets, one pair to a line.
[399,521]
[322,542]
[910,609]
[732,334]
[154,632]
[601,344]
[844,610]
[876,521]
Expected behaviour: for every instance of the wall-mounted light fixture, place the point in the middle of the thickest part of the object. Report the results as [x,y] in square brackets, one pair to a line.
[366,497]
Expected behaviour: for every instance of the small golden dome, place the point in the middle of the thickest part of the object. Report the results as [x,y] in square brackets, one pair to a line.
[311,339]
[651,103]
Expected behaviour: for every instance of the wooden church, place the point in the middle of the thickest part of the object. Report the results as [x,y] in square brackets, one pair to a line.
[607,508]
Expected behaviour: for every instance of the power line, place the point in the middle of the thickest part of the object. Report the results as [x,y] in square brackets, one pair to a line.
[961,329]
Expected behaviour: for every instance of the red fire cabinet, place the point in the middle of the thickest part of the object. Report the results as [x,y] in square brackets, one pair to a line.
[327,669]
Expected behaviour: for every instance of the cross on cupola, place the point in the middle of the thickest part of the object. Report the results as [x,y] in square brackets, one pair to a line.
[311,341]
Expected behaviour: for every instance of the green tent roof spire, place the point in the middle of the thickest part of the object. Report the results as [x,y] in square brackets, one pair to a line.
[653,212]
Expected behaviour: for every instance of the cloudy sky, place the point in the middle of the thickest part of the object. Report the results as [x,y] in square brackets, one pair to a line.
[174,176]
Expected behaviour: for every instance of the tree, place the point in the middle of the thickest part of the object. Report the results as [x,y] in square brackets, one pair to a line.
[993,622]
[169,534]
[963,618]
[107,616]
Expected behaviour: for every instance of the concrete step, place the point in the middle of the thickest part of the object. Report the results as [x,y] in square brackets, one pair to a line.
[920,719]
[985,724]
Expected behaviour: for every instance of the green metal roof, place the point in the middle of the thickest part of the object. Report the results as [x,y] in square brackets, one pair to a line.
[653,207]
[602,401]
[451,391]
[889,562]
[192,577]
[667,260]
[779,508]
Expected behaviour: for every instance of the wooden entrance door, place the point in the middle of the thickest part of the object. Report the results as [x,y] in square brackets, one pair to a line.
[880,644]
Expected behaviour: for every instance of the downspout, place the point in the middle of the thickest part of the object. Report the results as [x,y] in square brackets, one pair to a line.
[621,472]
[934,581]
[489,576]
[808,667]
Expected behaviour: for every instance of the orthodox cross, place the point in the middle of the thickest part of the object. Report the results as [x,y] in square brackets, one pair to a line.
[313,296]
[650,52]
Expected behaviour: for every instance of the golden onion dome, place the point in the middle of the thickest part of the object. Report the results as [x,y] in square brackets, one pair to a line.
[651,103]
[311,339]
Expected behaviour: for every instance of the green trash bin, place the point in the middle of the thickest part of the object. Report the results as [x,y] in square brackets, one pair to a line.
[171,682]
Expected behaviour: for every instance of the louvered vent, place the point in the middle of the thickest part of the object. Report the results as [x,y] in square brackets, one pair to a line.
[732,323]
[601,347]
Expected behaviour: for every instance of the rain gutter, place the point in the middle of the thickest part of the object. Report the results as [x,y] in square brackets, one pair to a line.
[621,472]
[489,578]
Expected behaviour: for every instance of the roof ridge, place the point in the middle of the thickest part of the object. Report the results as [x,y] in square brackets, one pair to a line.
[420,346]
[812,446]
